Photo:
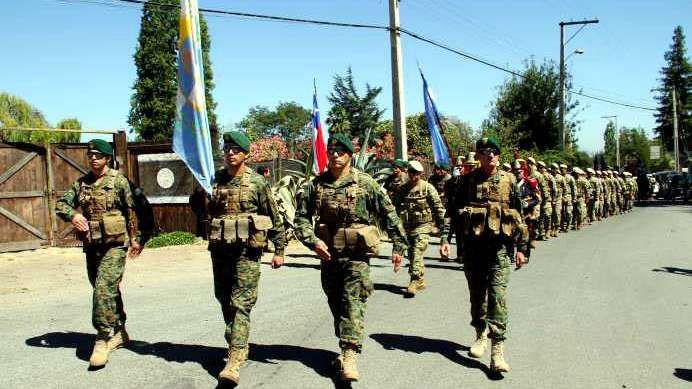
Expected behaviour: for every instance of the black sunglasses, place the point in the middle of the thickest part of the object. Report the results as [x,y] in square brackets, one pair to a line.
[339,150]
[488,151]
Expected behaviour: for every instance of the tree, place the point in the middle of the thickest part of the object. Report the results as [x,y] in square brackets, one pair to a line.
[635,147]
[610,146]
[17,112]
[70,124]
[288,121]
[676,74]
[351,113]
[153,102]
[526,111]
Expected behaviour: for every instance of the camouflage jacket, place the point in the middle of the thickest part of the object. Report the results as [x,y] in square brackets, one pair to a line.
[441,184]
[367,203]
[570,188]
[595,192]
[552,185]
[394,182]
[542,185]
[583,189]
[419,207]
[255,197]
[96,196]
[560,187]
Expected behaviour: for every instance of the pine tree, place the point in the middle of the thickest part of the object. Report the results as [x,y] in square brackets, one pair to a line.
[676,74]
[153,102]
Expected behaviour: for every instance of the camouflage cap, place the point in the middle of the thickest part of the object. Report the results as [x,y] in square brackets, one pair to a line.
[531,160]
[578,170]
[460,159]
[591,171]
[563,166]
[415,166]
[540,163]
[236,138]
[100,146]
[400,163]
[470,159]
[507,166]
[341,139]
[488,142]
[555,165]
[627,174]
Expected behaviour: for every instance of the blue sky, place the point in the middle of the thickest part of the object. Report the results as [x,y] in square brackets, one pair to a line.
[72,58]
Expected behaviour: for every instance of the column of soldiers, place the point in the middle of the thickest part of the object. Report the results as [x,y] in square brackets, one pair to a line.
[494,212]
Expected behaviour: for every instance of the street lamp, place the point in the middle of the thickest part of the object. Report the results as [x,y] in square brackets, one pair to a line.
[617,139]
[577,51]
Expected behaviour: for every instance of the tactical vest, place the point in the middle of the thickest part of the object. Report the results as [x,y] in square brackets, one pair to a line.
[338,223]
[235,220]
[488,211]
[107,223]
[414,208]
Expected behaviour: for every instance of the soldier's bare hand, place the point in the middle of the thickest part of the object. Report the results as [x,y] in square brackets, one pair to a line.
[520,260]
[277,261]
[80,222]
[444,251]
[323,251]
[135,250]
[396,261]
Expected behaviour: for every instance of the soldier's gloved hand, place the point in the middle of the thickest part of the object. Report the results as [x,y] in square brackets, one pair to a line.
[135,249]
[277,261]
[80,222]
[396,260]
[520,260]
[322,250]
[444,250]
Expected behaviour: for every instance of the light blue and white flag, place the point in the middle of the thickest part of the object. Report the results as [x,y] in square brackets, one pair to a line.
[439,143]
[191,138]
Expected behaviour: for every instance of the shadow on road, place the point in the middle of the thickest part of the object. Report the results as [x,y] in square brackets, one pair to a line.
[674,270]
[683,374]
[210,358]
[451,266]
[419,345]
[315,266]
[395,289]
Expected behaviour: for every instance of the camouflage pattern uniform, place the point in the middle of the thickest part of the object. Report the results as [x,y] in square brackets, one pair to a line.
[569,194]
[546,203]
[583,189]
[420,209]
[441,185]
[244,215]
[107,203]
[489,241]
[340,207]
[605,184]
[395,182]
[622,193]
[594,194]
[549,219]
[557,205]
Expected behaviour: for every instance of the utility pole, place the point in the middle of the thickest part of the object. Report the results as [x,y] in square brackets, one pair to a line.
[676,150]
[397,83]
[563,135]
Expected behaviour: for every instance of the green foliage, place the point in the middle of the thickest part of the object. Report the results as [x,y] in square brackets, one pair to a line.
[609,140]
[288,121]
[16,112]
[351,113]
[153,102]
[634,147]
[676,74]
[175,238]
[526,111]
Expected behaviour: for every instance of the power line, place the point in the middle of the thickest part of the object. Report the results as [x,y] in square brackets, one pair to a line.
[404,31]
[575,34]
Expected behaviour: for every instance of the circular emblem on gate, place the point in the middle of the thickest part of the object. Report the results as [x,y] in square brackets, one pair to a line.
[165,178]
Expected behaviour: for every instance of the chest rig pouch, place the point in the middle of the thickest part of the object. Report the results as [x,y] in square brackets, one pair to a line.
[416,210]
[107,225]
[489,212]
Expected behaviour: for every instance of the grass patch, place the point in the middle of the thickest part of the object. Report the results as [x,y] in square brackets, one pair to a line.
[175,238]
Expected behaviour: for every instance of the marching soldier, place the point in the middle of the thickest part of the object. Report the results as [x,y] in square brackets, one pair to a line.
[546,200]
[244,216]
[419,208]
[101,207]
[594,194]
[345,202]
[440,180]
[398,177]
[569,193]
[490,213]
[583,189]
[547,208]
[556,217]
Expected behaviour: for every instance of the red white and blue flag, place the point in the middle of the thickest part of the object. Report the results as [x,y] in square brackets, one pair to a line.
[320,136]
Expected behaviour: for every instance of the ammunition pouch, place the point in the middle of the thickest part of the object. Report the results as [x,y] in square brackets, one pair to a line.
[492,219]
[354,240]
[110,230]
[251,229]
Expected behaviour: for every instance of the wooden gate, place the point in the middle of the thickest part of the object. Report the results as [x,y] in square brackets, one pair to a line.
[25,216]
[67,163]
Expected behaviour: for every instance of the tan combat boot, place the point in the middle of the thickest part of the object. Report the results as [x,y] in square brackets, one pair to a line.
[118,340]
[231,372]
[349,369]
[497,358]
[479,345]
[415,286]
[99,356]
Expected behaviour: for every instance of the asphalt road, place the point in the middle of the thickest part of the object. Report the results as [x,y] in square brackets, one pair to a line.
[605,307]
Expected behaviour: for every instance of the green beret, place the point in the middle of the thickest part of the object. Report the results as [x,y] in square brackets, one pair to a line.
[101,146]
[400,163]
[442,165]
[487,142]
[341,139]
[237,138]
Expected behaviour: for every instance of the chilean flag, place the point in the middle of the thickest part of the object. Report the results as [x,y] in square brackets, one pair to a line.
[320,137]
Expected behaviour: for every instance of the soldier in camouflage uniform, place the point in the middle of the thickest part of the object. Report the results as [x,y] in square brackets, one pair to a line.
[243,217]
[440,180]
[556,217]
[568,195]
[606,194]
[583,189]
[547,208]
[107,225]
[345,203]
[490,211]
[420,209]
[622,188]
[594,193]
[546,200]
[398,177]
[530,197]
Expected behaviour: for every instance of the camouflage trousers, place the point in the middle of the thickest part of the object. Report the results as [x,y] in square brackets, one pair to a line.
[567,217]
[544,220]
[105,268]
[347,284]
[556,218]
[580,214]
[236,277]
[591,211]
[417,244]
[487,269]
